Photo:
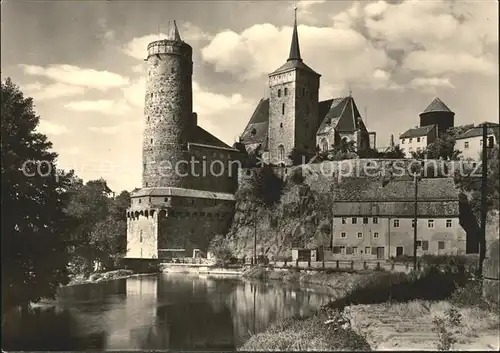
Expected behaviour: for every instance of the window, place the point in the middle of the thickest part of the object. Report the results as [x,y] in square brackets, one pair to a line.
[375,235]
[360,235]
[365,220]
[425,245]
[430,223]
[402,141]
[413,223]
[151,140]
[286,91]
[281,152]
[283,109]
[279,93]
[281,125]
[466,144]
[342,249]
[139,200]
[448,223]
[418,139]
[172,70]
[304,91]
[343,234]
[440,245]
[419,243]
[344,220]
[140,237]
[491,141]
[354,220]
[355,250]
[148,119]
[324,145]
[410,140]
[368,250]
[481,142]
[375,220]
[396,223]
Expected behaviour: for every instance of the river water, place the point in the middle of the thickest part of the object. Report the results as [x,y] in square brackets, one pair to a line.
[164,311]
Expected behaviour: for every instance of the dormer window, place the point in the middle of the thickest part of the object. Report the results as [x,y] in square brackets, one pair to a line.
[253,131]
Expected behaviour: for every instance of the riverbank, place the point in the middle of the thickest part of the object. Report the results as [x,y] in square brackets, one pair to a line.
[386,311]
[101,277]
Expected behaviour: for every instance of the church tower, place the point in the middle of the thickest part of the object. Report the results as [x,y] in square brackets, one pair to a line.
[293,105]
[168,111]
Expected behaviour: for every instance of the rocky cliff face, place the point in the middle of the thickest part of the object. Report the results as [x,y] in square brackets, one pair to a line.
[302,218]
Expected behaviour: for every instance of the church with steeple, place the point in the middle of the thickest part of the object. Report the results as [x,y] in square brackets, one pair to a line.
[292,117]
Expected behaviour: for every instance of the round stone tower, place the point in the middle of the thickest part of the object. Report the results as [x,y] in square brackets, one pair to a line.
[168,112]
[437,113]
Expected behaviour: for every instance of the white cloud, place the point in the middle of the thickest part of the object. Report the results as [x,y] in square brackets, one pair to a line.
[137,47]
[438,62]
[438,36]
[76,76]
[50,128]
[117,128]
[104,106]
[42,92]
[429,84]
[345,55]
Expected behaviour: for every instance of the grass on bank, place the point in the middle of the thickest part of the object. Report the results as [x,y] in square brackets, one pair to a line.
[430,291]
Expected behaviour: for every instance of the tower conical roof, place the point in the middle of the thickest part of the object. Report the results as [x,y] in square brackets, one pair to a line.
[173,32]
[294,47]
[437,105]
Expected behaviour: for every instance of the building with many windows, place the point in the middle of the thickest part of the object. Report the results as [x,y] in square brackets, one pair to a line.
[375,220]
[417,139]
[470,143]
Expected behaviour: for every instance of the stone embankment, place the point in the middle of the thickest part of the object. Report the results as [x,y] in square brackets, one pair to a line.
[410,326]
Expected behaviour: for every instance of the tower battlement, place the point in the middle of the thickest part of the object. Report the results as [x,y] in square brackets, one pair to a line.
[170,47]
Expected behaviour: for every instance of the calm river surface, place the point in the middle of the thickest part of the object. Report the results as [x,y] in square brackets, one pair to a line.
[165,311]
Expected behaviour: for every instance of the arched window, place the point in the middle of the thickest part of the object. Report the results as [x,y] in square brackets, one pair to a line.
[279,93]
[281,152]
[286,91]
[324,145]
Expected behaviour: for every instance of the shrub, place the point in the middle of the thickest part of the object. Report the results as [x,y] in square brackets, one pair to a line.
[431,284]
[297,176]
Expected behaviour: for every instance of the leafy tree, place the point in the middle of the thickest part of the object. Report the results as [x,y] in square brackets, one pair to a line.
[343,150]
[34,225]
[368,153]
[297,176]
[90,206]
[393,153]
[299,156]
[444,146]
[265,186]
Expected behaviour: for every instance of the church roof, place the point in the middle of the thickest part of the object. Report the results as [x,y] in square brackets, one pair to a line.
[256,130]
[291,65]
[437,105]
[204,137]
[342,115]
[417,132]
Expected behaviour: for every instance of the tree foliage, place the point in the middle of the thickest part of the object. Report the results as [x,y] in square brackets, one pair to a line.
[265,186]
[34,224]
[444,146]
[102,226]
[393,153]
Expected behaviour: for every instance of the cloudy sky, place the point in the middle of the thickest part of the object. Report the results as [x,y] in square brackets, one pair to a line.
[82,62]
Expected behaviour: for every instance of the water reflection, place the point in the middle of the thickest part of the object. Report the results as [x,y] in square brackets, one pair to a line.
[167,311]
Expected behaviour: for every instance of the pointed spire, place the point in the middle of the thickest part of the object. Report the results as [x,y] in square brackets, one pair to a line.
[173,32]
[294,47]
